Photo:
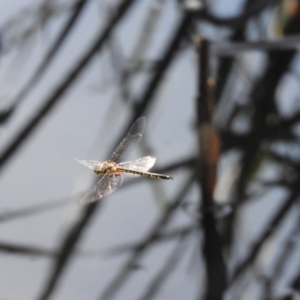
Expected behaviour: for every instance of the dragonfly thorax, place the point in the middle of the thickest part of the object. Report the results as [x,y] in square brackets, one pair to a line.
[107,168]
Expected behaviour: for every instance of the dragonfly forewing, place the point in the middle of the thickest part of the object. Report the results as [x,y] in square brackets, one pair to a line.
[92,164]
[132,137]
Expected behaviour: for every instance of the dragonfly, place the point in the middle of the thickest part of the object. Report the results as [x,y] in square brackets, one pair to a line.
[111,171]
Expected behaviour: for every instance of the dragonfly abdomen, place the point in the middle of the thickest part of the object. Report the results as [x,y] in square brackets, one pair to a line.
[146,174]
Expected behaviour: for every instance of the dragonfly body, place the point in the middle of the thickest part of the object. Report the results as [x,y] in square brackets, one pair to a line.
[111,171]
[108,168]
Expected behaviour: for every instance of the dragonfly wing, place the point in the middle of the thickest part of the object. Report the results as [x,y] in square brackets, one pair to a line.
[92,164]
[142,164]
[132,137]
[105,186]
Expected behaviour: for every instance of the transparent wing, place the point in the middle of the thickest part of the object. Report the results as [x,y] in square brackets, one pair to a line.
[142,164]
[132,137]
[105,186]
[92,164]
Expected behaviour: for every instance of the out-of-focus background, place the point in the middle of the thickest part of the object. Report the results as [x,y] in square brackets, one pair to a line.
[218,82]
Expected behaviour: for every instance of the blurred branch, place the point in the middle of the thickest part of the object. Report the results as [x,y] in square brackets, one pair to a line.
[124,273]
[270,229]
[289,248]
[147,31]
[26,250]
[226,63]
[124,72]
[209,146]
[239,21]
[295,284]
[18,30]
[154,83]
[65,32]
[161,237]
[37,208]
[53,100]
[167,59]
[231,140]
[235,48]
[67,248]
[263,105]
[165,272]
[20,27]
[263,101]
